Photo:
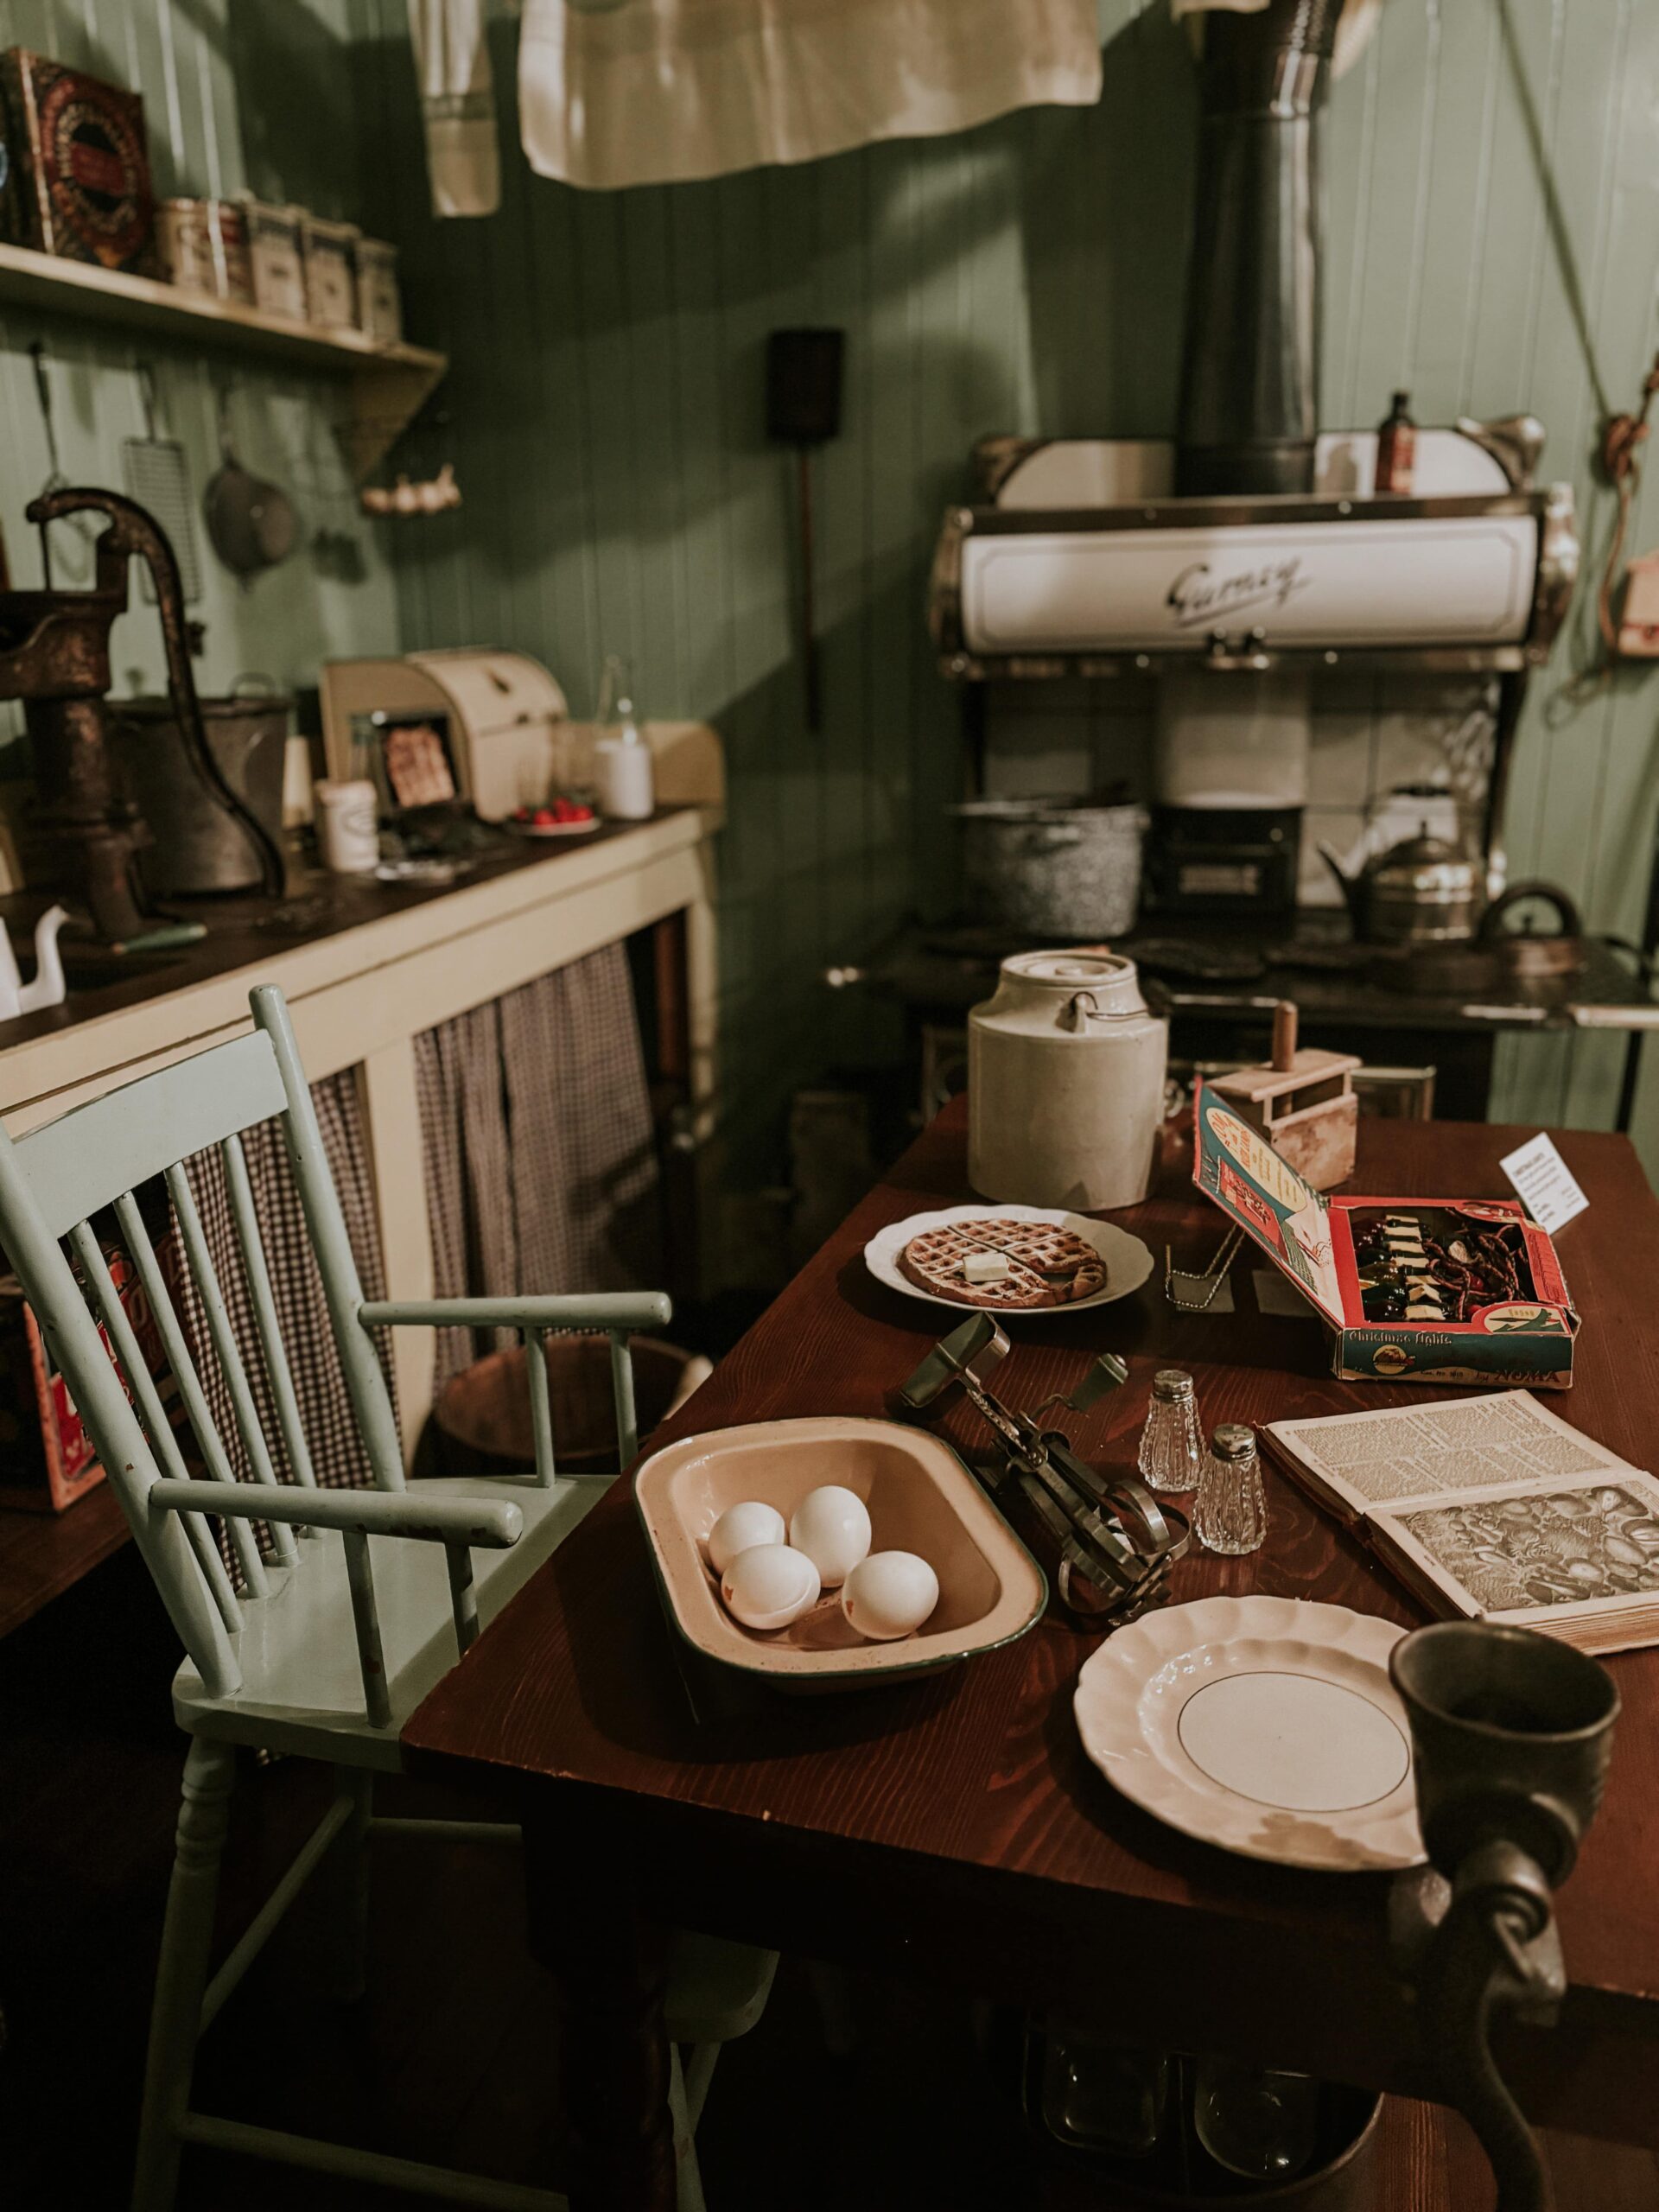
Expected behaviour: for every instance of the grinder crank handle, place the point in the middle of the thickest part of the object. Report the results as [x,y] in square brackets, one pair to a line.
[977,1344]
[134,531]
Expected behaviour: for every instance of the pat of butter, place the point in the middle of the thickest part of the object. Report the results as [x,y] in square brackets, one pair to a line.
[986,1267]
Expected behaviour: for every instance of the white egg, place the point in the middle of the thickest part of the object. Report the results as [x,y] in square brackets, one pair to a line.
[739,1528]
[889,1594]
[769,1586]
[832,1527]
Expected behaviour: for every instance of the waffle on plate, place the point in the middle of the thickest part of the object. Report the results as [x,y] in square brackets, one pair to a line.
[1047,1265]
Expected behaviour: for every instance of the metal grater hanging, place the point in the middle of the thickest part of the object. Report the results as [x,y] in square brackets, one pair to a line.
[158,478]
[1117,1542]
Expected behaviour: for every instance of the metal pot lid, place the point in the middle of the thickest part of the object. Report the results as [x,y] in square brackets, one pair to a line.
[152,707]
[1052,809]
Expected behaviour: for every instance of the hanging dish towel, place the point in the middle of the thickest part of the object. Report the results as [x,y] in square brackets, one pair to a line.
[657,92]
[452,62]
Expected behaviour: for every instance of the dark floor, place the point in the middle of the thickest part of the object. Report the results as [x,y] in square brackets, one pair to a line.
[453,2058]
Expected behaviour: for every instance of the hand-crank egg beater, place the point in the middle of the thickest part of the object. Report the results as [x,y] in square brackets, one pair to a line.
[54,656]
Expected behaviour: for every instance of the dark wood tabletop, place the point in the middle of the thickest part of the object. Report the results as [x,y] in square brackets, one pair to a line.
[953,1825]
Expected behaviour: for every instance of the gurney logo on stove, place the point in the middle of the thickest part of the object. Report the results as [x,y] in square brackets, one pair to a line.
[1201,599]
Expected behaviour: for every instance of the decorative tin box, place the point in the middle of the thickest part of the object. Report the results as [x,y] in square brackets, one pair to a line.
[1385,1275]
[47,1460]
[75,175]
[203,245]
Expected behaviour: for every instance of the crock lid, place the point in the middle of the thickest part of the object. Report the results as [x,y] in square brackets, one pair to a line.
[1068,970]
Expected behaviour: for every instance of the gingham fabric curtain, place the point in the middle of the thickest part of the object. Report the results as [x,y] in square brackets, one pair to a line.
[337,1453]
[540,1164]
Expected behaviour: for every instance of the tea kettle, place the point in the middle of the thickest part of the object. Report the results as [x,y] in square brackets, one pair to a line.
[1422,891]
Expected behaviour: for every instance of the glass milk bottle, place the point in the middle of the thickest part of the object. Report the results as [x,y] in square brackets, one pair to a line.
[623,778]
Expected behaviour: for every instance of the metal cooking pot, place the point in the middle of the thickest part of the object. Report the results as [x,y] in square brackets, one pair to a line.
[198,846]
[1053,869]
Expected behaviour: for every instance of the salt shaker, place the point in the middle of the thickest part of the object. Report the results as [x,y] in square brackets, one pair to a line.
[1230,1513]
[1171,1443]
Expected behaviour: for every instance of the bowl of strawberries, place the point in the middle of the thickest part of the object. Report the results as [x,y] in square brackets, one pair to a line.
[564,816]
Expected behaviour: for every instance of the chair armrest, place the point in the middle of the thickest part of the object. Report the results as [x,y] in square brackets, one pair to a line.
[493,1523]
[606,1309]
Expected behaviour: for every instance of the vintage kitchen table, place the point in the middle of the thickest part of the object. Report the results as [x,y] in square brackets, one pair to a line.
[952,1828]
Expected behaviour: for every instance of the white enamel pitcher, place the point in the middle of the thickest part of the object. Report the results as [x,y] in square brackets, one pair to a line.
[1065,1083]
[17,997]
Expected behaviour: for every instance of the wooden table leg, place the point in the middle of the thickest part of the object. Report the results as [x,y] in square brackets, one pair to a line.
[610,1963]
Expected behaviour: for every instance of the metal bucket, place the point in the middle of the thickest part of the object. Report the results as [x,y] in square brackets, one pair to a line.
[1053,869]
[198,846]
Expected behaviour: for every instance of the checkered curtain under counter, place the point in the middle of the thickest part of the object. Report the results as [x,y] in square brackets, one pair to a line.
[337,1453]
[540,1162]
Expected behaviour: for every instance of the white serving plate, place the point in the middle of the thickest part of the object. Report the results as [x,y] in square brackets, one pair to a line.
[1127,1262]
[1267,1726]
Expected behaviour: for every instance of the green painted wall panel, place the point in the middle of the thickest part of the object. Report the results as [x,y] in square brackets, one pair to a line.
[196,62]
[1492,193]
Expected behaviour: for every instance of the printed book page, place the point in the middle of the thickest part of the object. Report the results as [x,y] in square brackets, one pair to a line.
[1411,1452]
[1566,1550]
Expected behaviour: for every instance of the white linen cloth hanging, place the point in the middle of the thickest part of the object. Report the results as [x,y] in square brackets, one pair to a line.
[655,92]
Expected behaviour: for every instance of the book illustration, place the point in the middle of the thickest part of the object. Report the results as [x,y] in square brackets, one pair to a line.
[1551,1547]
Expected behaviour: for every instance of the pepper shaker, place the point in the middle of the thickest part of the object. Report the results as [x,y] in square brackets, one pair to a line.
[1171,1443]
[1230,1513]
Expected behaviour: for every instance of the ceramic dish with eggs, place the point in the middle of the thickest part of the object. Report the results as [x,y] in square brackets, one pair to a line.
[832,1532]
[1126,1262]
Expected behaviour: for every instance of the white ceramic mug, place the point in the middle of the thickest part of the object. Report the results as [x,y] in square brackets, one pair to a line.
[347,833]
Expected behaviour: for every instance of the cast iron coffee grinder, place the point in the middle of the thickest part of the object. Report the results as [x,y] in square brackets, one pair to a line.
[1511,1733]
[54,656]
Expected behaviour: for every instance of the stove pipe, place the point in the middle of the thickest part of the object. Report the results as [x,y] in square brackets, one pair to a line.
[1249,375]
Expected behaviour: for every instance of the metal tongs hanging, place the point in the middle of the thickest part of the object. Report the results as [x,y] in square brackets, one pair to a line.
[1116,1543]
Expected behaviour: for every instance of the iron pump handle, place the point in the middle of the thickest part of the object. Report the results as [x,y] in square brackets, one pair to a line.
[134,531]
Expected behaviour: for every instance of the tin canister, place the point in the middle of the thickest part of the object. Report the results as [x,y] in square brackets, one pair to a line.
[274,251]
[203,246]
[379,307]
[329,254]
[1065,1083]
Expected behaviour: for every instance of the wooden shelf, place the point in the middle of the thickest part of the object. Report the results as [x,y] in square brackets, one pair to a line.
[42,1554]
[388,383]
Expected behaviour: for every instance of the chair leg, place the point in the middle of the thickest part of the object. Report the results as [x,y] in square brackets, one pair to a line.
[687,2180]
[348,1873]
[187,1939]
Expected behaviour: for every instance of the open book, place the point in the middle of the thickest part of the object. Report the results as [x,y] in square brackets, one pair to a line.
[1494,1508]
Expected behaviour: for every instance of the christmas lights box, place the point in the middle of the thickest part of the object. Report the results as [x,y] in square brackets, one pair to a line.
[1444,1291]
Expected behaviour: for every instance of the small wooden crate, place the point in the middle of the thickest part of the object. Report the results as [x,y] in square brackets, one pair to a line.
[1303,1104]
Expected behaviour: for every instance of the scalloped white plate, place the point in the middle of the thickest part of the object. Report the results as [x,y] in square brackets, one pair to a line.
[1127,1260]
[1267,1726]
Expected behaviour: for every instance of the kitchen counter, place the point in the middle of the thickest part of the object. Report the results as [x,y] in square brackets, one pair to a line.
[366,967]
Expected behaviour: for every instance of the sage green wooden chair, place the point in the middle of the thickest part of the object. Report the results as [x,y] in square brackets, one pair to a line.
[368,1596]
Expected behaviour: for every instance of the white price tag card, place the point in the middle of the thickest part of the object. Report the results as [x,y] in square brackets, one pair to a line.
[1544,1182]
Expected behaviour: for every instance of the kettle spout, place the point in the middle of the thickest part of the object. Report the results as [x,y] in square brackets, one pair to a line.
[48,988]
